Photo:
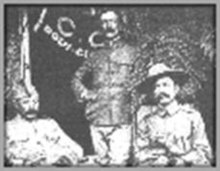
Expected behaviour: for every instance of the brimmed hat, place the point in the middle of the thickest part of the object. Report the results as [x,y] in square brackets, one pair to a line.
[160,70]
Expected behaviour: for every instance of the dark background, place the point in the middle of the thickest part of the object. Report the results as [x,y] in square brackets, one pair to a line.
[53,68]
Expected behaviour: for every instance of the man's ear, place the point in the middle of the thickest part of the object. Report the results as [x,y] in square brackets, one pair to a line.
[177,88]
[15,103]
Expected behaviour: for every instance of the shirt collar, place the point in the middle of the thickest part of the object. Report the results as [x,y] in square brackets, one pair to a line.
[19,118]
[170,110]
[115,42]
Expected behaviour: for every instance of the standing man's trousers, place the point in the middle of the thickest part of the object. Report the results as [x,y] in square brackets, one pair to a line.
[112,143]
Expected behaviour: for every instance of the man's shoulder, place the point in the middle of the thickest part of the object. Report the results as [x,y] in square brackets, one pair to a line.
[97,53]
[48,122]
[189,109]
[129,45]
[192,114]
[15,129]
[146,111]
[14,124]
[129,48]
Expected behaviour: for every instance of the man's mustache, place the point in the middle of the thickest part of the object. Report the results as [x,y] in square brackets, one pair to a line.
[31,112]
[109,30]
[162,95]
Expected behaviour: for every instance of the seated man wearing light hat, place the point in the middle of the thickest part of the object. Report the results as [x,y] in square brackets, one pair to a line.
[170,133]
[34,141]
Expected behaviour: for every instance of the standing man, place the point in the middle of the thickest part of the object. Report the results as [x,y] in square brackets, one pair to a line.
[108,101]
[170,133]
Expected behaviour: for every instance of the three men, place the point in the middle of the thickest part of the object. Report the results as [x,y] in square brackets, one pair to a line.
[170,133]
[108,105]
[33,141]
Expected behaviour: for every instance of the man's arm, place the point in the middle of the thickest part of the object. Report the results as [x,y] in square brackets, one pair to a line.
[80,90]
[12,147]
[61,145]
[142,127]
[201,151]
[143,150]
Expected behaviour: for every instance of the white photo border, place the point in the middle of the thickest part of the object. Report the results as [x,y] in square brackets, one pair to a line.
[109,2]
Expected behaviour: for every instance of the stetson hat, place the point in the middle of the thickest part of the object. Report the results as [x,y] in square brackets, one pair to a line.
[160,70]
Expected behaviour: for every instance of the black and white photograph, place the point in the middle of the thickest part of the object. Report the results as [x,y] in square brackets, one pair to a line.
[110,85]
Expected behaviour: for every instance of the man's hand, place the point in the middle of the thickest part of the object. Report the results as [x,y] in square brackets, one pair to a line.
[63,161]
[142,113]
[161,161]
[89,95]
[150,155]
[176,161]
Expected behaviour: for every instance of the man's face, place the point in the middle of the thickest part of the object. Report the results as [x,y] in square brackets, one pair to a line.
[165,90]
[28,107]
[110,24]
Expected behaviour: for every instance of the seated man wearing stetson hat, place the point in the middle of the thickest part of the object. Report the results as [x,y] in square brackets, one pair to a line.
[170,133]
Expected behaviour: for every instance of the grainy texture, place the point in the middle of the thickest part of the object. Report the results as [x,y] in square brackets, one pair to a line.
[181,36]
